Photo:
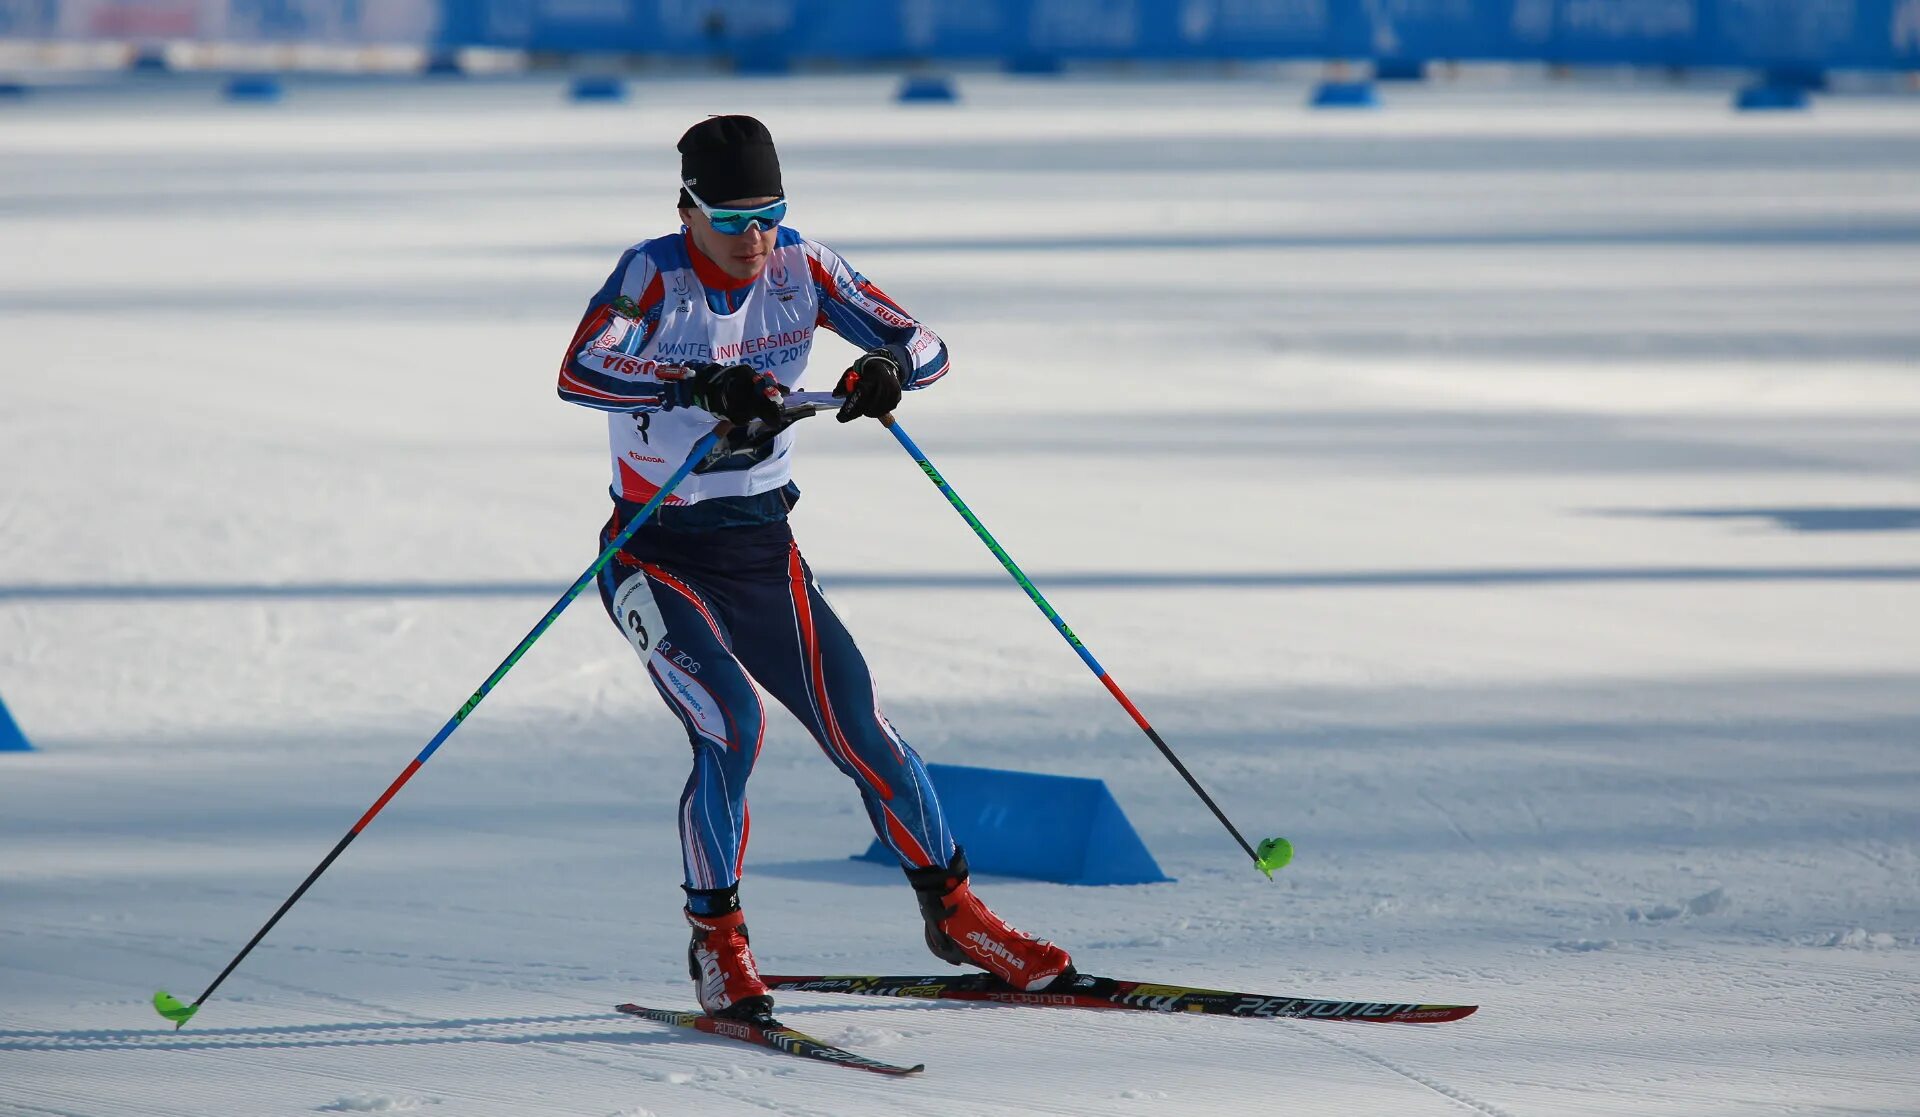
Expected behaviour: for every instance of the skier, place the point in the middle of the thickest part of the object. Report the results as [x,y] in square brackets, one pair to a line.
[718,321]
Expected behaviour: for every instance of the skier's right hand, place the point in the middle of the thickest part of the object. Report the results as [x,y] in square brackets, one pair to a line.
[740,393]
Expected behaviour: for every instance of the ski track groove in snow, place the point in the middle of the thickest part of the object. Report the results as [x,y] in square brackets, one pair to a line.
[1458,1097]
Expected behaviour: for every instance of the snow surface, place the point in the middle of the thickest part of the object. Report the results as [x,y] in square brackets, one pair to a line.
[1510,496]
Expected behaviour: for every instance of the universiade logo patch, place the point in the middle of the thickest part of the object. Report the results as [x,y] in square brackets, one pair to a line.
[780,277]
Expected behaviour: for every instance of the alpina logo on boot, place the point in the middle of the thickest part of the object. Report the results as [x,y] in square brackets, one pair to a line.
[986,942]
[713,980]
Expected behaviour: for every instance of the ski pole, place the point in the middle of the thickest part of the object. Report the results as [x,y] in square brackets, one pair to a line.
[1273,852]
[170,1007]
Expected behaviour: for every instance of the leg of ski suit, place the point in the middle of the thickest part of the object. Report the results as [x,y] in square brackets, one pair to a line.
[751,610]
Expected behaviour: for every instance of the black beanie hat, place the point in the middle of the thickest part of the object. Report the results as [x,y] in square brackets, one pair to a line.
[726,158]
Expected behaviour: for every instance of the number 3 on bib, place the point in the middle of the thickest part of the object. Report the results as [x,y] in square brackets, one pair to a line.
[639,616]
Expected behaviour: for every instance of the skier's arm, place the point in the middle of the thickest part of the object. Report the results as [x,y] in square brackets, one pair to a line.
[851,306]
[599,369]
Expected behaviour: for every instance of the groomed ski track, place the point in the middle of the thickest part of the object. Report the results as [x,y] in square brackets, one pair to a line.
[1531,538]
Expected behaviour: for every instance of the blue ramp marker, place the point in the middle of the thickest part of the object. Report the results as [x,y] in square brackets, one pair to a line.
[928,89]
[254,89]
[597,88]
[1345,95]
[1770,98]
[1065,829]
[11,739]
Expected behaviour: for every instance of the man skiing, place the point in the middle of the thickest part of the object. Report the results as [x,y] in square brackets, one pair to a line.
[714,322]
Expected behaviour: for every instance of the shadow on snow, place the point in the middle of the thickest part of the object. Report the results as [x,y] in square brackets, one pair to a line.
[1090,580]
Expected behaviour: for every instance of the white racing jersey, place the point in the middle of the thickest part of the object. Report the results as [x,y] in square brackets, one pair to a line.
[666,307]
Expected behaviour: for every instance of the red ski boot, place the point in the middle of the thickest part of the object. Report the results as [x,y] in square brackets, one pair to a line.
[964,931]
[721,963]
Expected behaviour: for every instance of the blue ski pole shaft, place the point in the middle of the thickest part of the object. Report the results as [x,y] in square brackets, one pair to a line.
[179,1013]
[1086,656]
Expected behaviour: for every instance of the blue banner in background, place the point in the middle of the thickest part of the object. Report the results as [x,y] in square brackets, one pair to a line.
[1443,29]
[228,21]
[1882,34]
[1807,34]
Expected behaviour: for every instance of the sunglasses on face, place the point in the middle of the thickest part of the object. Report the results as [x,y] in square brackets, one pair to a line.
[733,222]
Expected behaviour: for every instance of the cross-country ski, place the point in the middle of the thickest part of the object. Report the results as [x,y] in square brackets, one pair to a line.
[1088,991]
[768,1032]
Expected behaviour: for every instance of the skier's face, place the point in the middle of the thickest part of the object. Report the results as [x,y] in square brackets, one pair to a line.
[741,256]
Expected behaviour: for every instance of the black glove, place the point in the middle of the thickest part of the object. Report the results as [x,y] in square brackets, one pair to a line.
[737,392]
[871,387]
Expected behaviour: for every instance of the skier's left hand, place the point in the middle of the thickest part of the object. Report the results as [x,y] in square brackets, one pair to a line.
[738,393]
[871,387]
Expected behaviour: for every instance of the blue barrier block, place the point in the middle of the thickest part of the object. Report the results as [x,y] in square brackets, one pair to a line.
[11,739]
[1399,69]
[151,60]
[1066,829]
[254,89]
[1345,95]
[444,64]
[12,89]
[1770,98]
[928,89]
[597,88]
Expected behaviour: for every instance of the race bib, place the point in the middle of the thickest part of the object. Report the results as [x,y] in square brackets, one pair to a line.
[639,615]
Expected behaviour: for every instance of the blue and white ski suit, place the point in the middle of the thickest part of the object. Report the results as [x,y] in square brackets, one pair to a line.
[717,569]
